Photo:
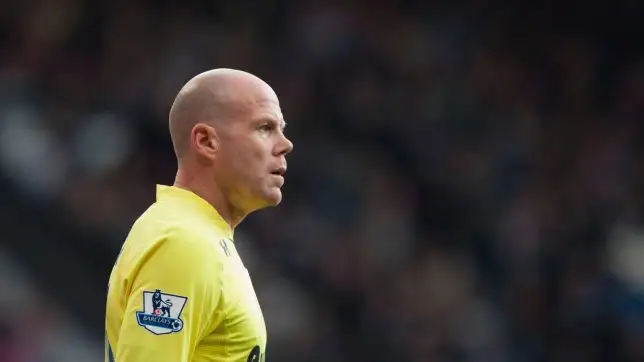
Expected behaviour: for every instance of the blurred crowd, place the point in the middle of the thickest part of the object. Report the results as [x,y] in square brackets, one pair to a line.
[465,183]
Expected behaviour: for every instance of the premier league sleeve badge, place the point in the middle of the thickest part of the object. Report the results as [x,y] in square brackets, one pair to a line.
[161,312]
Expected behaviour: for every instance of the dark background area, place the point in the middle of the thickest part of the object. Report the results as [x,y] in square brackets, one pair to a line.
[465,184]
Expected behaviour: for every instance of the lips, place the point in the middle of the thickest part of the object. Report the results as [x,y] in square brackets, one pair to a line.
[280,171]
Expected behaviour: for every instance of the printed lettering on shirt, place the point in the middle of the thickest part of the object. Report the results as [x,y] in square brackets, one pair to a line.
[224,246]
[255,355]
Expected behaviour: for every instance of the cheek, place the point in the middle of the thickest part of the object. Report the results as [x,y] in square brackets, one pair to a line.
[250,161]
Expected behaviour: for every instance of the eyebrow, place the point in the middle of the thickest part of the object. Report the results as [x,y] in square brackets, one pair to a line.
[281,123]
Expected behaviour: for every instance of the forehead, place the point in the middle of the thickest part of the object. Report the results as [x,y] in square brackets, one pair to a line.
[260,104]
[268,110]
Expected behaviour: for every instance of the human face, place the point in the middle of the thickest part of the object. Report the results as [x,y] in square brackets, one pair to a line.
[253,152]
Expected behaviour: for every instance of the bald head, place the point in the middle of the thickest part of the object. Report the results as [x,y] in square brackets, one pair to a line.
[214,97]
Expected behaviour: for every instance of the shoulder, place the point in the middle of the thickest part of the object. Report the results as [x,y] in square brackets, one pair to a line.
[160,236]
[191,242]
[183,239]
[180,256]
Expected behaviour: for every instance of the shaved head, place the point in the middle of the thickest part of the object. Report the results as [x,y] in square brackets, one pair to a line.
[227,130]
[213,97]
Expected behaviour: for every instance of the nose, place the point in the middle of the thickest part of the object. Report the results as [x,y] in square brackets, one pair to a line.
[285,146]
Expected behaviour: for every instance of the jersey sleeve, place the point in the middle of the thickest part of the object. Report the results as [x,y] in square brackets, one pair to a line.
[173,301]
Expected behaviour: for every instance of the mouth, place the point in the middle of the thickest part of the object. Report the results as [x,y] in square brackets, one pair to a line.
[280,171]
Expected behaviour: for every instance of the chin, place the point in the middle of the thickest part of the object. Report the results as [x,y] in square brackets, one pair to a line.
[274,197]
[266,199]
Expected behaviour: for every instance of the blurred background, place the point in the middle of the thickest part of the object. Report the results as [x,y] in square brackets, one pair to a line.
[465,186]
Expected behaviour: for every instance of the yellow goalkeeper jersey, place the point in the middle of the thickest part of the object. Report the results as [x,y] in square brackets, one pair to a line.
[179,291]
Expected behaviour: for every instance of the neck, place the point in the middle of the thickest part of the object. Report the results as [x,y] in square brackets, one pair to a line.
[210,192]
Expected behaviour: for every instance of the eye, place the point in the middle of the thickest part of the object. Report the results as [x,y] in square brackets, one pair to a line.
[266,128]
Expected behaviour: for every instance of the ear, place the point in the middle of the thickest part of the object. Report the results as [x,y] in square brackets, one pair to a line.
[205,140]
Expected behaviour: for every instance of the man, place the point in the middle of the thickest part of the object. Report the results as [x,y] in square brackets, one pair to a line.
[179,291]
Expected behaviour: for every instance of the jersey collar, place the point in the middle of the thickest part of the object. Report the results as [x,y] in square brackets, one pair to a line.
[195,201]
